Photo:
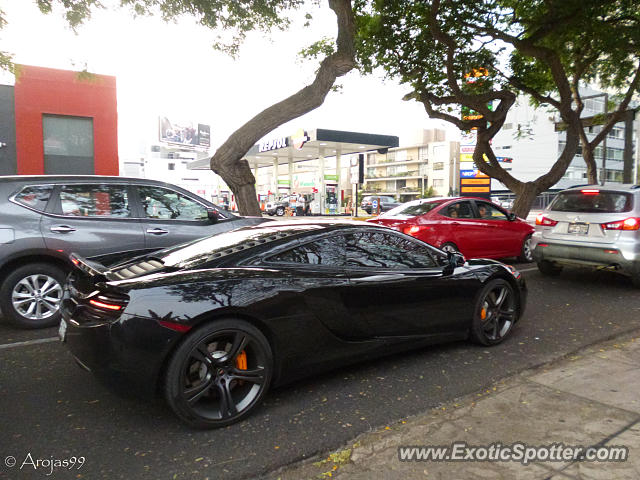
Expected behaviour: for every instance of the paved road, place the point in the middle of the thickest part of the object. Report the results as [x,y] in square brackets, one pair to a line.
[51,408]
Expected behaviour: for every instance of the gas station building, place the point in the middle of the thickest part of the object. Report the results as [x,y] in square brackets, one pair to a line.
[321,164]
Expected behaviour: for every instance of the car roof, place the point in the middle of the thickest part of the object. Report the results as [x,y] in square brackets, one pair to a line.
[79,178]
[620,187]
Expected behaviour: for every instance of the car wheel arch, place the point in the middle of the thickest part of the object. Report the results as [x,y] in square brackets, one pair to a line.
[22,260]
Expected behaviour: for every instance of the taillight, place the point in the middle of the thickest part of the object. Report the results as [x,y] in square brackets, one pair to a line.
[547,222]
[590,191]
[105,305]
[631,223]
[413,230]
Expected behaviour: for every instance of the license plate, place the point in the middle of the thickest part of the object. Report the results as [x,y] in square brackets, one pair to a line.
[62,330]
[578,228]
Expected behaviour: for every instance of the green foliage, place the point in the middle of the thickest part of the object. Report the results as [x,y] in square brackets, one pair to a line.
[428,193]
[235,18]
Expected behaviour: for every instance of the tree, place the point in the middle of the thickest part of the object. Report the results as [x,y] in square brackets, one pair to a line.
[600,45]
[241,17]
[469,57]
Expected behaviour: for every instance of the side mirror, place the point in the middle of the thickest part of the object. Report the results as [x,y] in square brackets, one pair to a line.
[213,215]
[512,216]
[455,260]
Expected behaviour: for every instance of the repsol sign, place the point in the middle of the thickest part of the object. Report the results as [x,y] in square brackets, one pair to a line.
[272,144]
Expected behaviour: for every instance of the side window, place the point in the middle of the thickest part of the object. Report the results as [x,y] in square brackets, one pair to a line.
[386,250]
[34,196]
[162,203]
[94,200]
[326,251]
[458,210]
[489,212]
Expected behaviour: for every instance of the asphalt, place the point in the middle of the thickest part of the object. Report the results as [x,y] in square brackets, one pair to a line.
[49,408]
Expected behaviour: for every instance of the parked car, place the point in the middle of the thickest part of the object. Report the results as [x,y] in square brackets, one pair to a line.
[217,321]
[474,227]
[591,226]
[277,207]
[386,203]
[45,218]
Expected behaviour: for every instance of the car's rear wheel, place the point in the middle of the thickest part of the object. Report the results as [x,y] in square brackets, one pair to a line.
[548,268]
[526,253]
[495,312]
[280,211]
[449,247]
[219,374]
[30,296]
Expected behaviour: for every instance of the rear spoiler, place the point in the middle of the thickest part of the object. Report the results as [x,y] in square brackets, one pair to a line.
[91,268]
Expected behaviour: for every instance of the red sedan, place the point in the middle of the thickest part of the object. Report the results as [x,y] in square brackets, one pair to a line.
[473,226]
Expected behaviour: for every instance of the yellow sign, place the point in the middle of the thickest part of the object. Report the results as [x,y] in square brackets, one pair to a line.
[476,189]
[475,181]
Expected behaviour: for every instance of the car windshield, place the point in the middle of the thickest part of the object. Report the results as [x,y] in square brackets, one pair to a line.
[592,201]
[412,210]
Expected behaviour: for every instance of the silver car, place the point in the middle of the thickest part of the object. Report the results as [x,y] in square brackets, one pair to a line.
[45,218]
[593,226]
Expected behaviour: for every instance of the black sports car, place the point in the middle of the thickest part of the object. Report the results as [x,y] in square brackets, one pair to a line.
[213,323]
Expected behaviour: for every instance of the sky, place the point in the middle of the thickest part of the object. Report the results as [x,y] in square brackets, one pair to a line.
[171,69]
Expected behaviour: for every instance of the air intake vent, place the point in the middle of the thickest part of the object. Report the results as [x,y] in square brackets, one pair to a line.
[138,269]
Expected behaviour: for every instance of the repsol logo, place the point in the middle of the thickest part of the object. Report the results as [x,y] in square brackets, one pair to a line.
[272,144]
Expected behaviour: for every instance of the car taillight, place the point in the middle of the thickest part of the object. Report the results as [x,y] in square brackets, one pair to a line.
[591,191]
[631,223]
[105,305]
[413,230]
[542,220]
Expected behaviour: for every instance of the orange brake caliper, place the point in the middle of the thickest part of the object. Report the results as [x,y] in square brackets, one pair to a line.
[241,361]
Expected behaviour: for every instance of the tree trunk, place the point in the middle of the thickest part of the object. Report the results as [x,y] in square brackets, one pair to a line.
[228,160]
[242,183]
[589,159]
[526,194]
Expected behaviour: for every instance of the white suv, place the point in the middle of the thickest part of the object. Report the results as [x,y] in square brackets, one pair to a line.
[594,226]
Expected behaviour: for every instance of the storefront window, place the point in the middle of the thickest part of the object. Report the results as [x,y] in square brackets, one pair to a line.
[68,144]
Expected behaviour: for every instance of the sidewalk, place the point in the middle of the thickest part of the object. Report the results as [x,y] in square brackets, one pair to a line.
[588,399]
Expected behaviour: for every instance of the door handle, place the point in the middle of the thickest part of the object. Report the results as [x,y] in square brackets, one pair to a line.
[455,223]
[62,229]
[157,231]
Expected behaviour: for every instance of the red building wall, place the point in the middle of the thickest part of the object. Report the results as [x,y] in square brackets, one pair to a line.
[40,91]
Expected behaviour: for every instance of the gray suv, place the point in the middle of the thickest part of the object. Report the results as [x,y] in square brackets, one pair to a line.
[594,226]
[45,218]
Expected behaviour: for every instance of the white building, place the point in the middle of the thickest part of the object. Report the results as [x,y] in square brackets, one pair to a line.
[407,172]
[530,139]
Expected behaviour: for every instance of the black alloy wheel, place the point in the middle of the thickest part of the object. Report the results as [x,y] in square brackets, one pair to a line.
[219,374]
[495,312]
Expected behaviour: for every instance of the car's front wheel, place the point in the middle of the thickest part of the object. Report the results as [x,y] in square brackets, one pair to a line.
[280,211]
[495,313]
[30,296]
[219,374]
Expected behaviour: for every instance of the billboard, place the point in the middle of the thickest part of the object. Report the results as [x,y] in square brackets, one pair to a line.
[184,133]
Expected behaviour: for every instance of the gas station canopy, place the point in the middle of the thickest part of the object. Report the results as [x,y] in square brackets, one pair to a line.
[309,144]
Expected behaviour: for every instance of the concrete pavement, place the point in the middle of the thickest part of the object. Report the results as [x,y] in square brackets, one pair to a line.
[588,399]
